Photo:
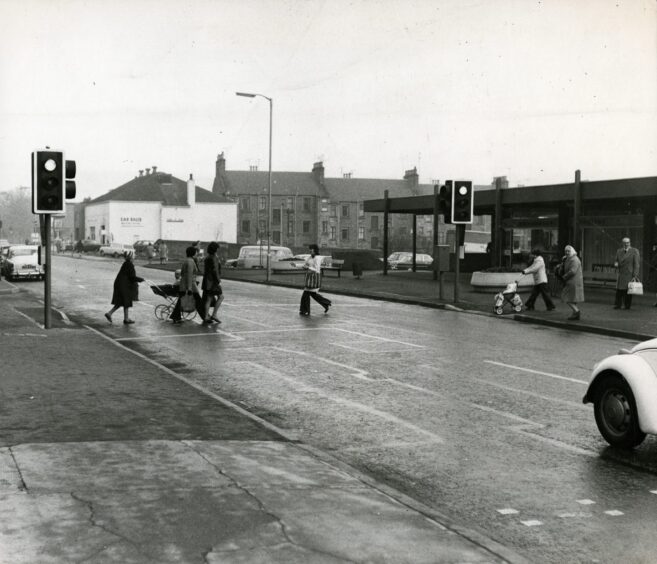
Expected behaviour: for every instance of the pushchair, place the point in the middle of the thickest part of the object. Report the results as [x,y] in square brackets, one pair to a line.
[508,296]
[170,293]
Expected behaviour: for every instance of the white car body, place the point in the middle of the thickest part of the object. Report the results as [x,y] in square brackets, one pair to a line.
[115,249]
[22,261]
[638,366]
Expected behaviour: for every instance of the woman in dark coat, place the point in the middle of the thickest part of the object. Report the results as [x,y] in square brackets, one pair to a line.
[126,289]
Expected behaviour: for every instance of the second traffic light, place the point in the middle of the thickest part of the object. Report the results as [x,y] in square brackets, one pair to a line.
[50,189]
[462,208]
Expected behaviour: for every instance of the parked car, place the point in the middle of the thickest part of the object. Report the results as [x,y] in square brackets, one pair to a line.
[22,261]
[140,247]
[623,391]
[255,256]
[404,261]
[295,263]
[115,249]
[90,246]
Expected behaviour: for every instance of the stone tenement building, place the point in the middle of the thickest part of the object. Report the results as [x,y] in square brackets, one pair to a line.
[309,208]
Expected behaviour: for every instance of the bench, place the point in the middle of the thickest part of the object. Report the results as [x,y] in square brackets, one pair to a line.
[335,266]
[601,275]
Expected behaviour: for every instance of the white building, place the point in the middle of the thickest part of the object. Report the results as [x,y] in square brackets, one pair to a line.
[157,205]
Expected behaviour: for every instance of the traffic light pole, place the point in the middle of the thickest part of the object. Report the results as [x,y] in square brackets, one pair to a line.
[47,314]
[460,236]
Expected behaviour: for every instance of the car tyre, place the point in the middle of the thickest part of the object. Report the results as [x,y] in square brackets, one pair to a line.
[102,254]
[616,414]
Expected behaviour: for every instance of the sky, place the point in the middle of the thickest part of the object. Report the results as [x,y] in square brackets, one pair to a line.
[531,90]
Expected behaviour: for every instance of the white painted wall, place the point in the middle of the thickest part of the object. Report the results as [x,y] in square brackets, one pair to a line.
[127,222]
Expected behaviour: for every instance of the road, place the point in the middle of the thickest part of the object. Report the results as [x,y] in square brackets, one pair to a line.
[477,417]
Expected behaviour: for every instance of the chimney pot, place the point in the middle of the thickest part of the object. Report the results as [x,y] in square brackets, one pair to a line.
[148,171]
[141,172]
[154,169]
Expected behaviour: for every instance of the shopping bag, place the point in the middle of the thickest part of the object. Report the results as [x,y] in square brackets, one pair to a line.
[635,288]
[187,303]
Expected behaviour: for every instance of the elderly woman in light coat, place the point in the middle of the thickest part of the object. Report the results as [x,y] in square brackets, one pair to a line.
[573,291]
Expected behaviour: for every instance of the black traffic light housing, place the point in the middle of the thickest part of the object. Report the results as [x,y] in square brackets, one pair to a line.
[445,201]
[462,201]
[50,187]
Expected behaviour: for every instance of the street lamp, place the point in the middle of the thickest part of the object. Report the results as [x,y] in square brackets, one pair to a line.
[271,103]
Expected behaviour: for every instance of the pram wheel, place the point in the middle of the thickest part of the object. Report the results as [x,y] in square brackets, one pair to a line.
[499,310]
[517,308]
[188,315]
[162,311]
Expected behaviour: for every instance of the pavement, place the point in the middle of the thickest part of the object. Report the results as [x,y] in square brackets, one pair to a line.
[108,456]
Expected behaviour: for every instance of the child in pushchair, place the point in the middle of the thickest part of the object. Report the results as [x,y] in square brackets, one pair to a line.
[170,293]
[508,296]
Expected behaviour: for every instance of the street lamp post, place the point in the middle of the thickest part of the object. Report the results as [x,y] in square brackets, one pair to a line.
[271,111]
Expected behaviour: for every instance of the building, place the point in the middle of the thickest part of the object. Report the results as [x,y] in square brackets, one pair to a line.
[156,205]
[309,208]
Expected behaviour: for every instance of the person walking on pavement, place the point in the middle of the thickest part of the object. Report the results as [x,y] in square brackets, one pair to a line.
[537,269]
[188,285]
[573,291]
[627,263]
[164,253]
[126,289]
[150,252]
[312,282]
[211,285]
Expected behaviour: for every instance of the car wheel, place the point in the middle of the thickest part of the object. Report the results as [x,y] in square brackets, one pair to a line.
[616,414]
[102,254]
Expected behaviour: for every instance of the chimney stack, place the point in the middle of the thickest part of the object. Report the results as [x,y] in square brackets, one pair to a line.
[154,169]
[141,172]
[318,172]
[148,171]
[191,191]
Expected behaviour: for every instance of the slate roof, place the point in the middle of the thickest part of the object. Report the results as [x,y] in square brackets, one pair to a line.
[158,187]
[282,183]
[303,183]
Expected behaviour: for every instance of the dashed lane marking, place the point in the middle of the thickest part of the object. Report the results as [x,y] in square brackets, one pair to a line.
[585,501]
[159,336]
[532,523]
[508,511]
[575,404]
[614,513]
[531,371]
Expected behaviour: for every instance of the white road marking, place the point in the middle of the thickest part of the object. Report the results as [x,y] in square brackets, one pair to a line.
[378,338]
[585,501]
[653,491]
[532,523]
[300,386]
[531,371]
[614,512]
[508,511]
[158,337]
[576,404]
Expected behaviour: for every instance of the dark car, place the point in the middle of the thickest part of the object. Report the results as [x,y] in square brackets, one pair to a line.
[90,246]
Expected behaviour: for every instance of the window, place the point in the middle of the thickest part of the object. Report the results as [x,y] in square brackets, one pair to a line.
[290,202]
[245,203]
[306,204]
[345,235]
[345,210]
[361,209]
[361,233]
[332,236]
[333,210]
[276,236]
[374,222]
[262,203]
[306,226]
[246,226]
[324,227]
[290,224]
[262,227]
[276,216]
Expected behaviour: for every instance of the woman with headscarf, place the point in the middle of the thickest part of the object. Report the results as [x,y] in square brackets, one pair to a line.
[188,285]
[126,288]
[573,291]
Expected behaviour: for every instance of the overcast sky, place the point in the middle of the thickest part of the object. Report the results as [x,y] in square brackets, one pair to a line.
[457,88]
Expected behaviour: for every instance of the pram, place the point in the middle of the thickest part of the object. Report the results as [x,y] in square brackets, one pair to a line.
[508,296]
[170,293]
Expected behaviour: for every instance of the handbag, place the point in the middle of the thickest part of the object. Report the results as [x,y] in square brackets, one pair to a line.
[187,303]
[635,288]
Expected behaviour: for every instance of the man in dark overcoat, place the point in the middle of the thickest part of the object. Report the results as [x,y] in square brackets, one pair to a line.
[627,262]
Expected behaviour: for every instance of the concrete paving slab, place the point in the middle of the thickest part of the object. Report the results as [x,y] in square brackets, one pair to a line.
[10,479]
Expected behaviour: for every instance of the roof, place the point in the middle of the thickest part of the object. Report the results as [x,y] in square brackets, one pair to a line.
[282,183]
[158,187]
[303,183]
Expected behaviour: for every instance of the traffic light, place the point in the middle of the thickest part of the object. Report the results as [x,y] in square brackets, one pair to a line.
[50,187]
[446,201]
[462,202]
